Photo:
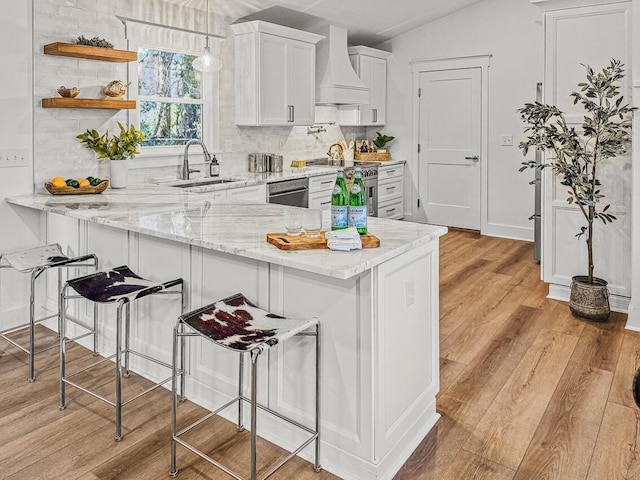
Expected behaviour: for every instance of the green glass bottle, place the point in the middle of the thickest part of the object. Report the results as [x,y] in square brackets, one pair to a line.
[339,203]
[358,204]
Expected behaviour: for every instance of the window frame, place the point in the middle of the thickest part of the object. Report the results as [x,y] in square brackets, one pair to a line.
[169,40]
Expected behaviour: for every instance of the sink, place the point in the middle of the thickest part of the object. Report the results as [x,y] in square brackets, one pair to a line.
[201,183]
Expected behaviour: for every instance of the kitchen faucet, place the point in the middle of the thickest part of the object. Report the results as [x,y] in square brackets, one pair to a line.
[186,171]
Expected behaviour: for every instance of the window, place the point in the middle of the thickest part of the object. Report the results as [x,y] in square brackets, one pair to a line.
[169,97]
[175,103]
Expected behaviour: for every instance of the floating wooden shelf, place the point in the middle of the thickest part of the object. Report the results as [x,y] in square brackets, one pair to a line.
[94,53]
[88,103]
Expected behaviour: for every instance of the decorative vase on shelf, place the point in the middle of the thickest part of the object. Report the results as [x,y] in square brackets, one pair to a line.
[118,173]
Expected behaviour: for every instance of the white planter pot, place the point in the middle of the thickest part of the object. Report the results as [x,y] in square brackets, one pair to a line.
[118,173]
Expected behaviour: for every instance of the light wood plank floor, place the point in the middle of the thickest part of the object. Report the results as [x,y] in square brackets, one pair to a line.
[527,392]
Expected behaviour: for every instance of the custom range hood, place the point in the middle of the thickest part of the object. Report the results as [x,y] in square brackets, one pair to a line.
[336,81]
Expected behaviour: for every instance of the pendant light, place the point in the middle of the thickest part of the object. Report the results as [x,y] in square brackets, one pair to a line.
[207,62]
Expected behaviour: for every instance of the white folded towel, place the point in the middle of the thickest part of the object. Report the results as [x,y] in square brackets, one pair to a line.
[344,240]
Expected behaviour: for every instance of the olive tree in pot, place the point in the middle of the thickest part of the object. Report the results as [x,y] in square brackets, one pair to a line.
[574,156]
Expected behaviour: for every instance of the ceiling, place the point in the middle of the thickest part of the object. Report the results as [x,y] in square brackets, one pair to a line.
[369,22]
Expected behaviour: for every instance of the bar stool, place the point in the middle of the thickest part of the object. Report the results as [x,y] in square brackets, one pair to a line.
[237,324]
[36,261]
[122,286]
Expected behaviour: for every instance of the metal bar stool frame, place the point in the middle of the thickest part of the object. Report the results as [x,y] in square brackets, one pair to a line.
[122,304]
[89,260]
[180,332]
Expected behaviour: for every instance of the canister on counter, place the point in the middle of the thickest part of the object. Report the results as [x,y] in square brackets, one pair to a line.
[276,163]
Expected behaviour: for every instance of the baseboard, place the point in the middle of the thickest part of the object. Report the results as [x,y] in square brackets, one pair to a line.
[508,231]
[561,292]
[400,453]
[633,320]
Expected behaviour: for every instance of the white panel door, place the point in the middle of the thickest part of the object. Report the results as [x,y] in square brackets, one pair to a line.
[450,141]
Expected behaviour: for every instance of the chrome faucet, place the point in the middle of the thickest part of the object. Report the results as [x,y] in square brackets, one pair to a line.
[186,171]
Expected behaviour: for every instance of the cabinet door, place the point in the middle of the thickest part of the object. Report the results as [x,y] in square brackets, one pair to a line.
[373,73]
[273,80]
[364,72]
[320,200]
[254,193]
[378,89]
[301,83]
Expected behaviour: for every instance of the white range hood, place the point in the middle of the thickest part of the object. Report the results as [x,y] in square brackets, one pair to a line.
[336,81]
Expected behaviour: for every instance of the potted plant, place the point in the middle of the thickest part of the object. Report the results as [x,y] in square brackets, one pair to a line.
[574,156]
[117,148]
[381,140]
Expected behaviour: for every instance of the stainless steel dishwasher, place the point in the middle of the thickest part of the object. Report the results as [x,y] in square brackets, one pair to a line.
[294,192]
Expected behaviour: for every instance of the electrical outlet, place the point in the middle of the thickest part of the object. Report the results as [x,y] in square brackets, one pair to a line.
[228,145]
[507,140]
[410,292]
[18,157]
[282,142]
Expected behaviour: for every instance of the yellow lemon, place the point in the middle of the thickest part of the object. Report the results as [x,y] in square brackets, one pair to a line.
[58,178]
[59,182]
[83,182]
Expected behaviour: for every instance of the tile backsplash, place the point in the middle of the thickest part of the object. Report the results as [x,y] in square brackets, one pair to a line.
[57,151]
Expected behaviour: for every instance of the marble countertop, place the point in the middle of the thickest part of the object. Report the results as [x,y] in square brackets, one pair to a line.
[245,179]
[236,228]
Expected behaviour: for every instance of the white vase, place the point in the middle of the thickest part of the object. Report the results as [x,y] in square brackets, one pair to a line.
[118,173]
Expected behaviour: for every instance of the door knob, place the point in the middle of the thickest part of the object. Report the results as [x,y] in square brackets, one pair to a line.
[475,158]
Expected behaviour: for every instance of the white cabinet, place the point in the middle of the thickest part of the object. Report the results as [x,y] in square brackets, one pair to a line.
[570,43]
[253,193]
[391,191]
[274,74]
[371,66]
[320,189]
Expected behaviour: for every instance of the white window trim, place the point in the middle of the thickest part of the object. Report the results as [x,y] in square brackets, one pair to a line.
[140,35]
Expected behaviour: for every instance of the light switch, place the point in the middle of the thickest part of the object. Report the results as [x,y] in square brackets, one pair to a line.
[14,158]
[507,140]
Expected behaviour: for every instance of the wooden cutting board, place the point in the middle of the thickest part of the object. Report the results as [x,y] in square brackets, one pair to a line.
[301,242]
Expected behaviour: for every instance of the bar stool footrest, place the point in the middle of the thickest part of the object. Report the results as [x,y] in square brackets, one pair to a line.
[206,457]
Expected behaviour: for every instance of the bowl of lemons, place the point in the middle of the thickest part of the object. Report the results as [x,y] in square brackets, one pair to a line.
[75,186]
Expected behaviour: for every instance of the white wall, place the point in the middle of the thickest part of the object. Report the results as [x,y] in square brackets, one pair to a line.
[510,31]
[19,227]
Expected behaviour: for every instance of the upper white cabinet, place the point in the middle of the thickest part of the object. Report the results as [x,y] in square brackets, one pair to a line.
[274,74]
[574,37]
[371,66]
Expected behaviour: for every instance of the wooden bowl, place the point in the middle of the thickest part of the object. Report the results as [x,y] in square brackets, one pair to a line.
[76,191]
[68,92]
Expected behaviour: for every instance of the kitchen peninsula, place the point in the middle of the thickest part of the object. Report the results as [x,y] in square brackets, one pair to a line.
[378,309]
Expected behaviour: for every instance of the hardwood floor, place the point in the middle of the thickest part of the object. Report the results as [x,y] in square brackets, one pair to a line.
[526,392]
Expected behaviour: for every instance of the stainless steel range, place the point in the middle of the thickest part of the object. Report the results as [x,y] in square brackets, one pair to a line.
[369,178]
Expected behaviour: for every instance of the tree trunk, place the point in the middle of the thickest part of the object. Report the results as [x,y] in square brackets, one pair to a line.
[590,244]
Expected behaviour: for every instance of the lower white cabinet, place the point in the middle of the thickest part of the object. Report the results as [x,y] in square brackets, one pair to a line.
[320,189]
[391,191]
[254,193]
